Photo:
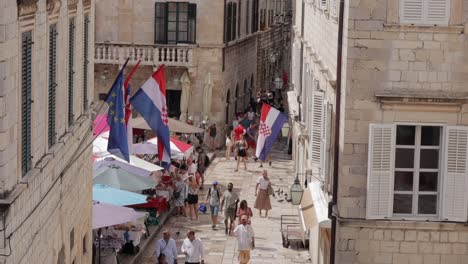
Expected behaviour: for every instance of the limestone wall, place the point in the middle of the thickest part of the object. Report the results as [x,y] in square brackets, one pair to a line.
[43,207]
[133,21]
[402,243]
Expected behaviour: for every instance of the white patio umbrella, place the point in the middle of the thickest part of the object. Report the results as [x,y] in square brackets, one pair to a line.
[109,215]
[185,99]
[207,92]
[136,166]
[116,177]
[179,149]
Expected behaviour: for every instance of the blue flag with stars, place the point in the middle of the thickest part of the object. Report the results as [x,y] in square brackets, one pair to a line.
[118,144]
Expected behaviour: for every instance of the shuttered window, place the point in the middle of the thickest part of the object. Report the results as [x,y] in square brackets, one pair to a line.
[175,23]
[26,100]
[426,12]
[380,170]
[417,171]
[254,16]
[454,206]
[52,83]
[71,70]
[247,17]
[85,61]
[239,17]
[317,128]
[228,33]
[323,4]
[234,21]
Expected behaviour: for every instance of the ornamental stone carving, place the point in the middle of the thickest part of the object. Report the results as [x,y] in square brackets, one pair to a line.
[26,7]
[53,6]
[72,4]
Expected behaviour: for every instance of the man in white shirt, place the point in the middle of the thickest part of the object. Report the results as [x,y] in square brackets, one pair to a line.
[166,246]
[192,247]
[245,240]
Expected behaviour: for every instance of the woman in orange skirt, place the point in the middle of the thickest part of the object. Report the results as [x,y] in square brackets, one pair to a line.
[262,202]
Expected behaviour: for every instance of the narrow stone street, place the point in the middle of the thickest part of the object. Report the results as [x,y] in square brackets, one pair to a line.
[220,248]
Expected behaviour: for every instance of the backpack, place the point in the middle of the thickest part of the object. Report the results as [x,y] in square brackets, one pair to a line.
[217,192]
[176,195]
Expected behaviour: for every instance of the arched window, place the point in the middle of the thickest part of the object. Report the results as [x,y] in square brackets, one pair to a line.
[227,107]
[236,97]
[246,94]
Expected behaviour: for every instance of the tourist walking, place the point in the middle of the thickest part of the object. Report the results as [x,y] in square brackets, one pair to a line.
[212,137]
[250,138]
[229,144]
[244,209]
[180,195]
[201,165]
[166,246]
[192,197]
[192,247]
[262,202]
[245,240]
[213,198]
[241,146]
[229,204]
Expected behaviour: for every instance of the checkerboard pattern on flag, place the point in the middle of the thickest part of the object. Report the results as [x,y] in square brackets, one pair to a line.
[150,102]
[264,129]
[271,122]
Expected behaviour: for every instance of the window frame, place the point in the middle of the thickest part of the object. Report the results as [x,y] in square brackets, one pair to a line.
[424,21]
[163,21]
[416,170]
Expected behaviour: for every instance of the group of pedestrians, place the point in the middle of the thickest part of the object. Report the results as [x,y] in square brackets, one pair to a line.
[226,202]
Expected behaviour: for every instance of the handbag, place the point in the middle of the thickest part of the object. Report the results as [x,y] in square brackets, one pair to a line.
[202,208]
[270,189]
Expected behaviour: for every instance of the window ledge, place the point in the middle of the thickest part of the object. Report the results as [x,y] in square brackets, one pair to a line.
[424,28]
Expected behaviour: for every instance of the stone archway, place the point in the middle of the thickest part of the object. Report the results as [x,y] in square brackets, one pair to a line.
[227,106]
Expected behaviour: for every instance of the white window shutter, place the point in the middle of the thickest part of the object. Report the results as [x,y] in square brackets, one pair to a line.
[437,12]
[325,140]
[380,169]
[323,4]
[411,11]
[317,127]
[454,194]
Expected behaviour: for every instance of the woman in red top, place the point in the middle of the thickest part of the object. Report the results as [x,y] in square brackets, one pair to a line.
[244,210]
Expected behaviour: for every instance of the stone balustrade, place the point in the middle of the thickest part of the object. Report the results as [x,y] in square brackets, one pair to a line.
[176,55]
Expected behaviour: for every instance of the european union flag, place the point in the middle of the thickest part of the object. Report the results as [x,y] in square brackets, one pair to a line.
[118,144]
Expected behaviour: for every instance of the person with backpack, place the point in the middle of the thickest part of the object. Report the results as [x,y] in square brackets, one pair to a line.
[213,199]
[229,205]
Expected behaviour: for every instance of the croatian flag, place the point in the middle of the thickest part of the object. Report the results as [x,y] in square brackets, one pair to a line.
[150,102]
[271,122]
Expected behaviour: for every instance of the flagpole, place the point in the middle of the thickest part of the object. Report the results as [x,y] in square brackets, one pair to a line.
[104,104]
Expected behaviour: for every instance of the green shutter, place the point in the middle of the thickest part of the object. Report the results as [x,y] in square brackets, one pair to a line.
[26,100]
[71,72]
[52,82]
[85,63]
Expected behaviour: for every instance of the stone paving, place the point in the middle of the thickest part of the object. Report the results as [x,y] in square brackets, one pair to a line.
[220,248]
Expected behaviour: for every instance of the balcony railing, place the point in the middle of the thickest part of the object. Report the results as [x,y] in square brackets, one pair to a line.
[154,55]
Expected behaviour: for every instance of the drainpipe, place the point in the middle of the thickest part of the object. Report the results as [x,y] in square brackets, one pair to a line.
[336,148]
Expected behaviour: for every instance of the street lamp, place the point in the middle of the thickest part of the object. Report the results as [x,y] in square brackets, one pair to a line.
[296,192]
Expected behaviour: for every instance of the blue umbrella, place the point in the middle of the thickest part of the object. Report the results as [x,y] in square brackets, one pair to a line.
[106,194]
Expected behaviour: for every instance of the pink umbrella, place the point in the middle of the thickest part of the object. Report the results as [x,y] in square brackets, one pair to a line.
[100,124]
[109,215]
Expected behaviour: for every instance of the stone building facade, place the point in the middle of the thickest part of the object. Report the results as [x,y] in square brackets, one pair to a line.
[403,131]
[46,94]
[222,42]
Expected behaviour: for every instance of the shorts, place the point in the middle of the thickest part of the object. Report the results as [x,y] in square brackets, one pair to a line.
[230,213]
[251,144]
[241,153]
[192,199]
[244,256]
[214,209]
